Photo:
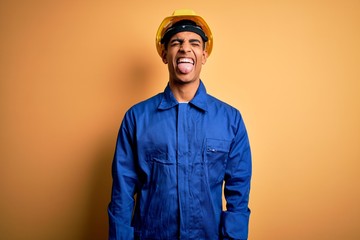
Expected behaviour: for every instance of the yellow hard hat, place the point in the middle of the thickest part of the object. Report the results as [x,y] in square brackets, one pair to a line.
[183,14]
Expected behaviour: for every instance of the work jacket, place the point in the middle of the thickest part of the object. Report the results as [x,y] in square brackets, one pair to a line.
[171,162]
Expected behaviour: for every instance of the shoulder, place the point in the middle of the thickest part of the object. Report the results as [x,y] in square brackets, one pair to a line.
[217,104]
[228,113]
[143,107]
[139,110]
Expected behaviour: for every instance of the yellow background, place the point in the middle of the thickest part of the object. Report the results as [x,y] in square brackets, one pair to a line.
[70,69]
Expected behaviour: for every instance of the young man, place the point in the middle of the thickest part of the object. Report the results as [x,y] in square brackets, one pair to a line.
[175,150]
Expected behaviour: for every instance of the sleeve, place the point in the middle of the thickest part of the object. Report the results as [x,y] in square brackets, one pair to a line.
[124,184]
[235,220]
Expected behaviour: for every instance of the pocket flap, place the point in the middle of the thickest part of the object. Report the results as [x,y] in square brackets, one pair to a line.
[216,145]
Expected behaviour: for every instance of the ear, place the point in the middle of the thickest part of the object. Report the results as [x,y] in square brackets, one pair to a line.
[163,56]
[205,56]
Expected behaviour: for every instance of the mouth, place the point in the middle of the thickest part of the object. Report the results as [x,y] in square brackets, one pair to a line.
[185,60]
[185,65]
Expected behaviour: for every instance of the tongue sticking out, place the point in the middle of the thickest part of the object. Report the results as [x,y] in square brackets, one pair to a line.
[185,67]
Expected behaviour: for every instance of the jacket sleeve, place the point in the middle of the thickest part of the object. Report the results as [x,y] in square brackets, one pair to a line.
[124,184]
[235,220]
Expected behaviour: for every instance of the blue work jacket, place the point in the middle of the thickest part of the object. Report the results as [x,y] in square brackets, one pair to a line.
[171,161]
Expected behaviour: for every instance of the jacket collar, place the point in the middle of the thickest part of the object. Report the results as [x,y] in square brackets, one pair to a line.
[168,101]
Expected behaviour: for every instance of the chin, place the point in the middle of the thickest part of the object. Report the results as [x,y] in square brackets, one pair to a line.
[185,79]
[189,77]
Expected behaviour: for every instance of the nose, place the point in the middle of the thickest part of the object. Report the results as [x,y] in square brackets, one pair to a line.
[185,46]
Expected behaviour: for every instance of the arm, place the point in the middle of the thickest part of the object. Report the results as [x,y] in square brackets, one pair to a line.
[235,221]
[124,184]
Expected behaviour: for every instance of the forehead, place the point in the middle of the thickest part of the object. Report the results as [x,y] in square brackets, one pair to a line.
[186,36]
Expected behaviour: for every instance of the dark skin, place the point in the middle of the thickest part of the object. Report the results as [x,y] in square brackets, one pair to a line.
[184,47]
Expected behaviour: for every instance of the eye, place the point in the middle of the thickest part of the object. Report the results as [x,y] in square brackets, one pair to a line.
[195,43]
[174,44]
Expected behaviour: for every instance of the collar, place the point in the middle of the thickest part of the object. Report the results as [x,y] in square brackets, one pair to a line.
[200,99]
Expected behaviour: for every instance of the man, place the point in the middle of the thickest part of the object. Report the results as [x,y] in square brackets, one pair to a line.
[175,150]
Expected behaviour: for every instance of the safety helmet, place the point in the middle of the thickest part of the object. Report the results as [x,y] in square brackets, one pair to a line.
[178,15]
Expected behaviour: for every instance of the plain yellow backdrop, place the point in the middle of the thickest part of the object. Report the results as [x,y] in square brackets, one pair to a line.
[70,69]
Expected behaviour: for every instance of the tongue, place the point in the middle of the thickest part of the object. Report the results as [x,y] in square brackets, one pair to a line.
[185,67]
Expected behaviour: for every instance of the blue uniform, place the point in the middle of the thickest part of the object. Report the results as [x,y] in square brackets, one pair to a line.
[175,158]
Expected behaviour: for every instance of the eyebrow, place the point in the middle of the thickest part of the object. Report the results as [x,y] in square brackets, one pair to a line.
[176,40]
[181,40]
[194,40]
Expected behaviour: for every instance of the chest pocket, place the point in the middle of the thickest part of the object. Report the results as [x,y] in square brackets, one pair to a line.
[216,155]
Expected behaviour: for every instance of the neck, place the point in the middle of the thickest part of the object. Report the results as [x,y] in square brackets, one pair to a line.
[184,92]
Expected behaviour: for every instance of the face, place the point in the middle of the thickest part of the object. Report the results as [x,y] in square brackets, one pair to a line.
[185,55]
